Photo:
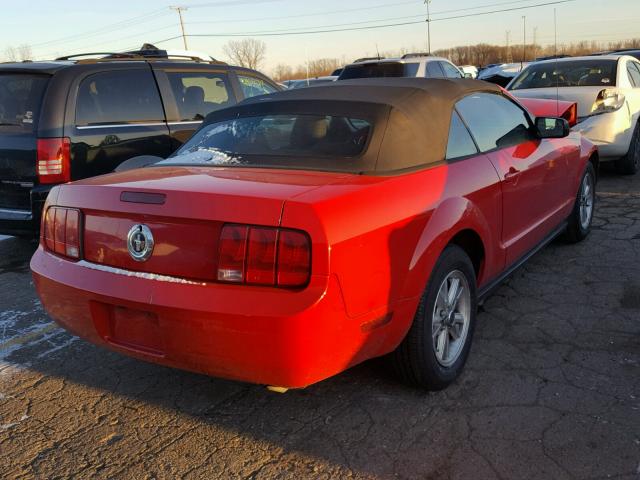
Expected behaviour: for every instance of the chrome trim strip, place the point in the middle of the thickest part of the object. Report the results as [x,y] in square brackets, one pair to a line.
[120,125]
[190,122]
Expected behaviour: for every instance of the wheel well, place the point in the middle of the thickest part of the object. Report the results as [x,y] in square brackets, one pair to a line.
[595,160]
[472,244]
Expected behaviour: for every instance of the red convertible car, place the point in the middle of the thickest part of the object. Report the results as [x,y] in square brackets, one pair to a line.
[298,234]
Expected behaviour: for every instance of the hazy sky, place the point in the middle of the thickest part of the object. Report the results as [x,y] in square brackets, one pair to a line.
[71,26]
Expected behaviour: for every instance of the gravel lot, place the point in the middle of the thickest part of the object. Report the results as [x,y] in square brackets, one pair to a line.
[552,389]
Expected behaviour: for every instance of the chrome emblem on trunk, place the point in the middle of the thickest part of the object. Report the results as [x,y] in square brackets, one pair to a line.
[140,243]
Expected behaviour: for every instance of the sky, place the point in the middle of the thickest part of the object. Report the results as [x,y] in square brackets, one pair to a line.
[72,26]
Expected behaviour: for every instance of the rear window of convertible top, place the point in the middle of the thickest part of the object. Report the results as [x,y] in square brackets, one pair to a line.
[300,141]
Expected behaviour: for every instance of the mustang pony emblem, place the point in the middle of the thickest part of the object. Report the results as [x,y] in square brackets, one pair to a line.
[140,243]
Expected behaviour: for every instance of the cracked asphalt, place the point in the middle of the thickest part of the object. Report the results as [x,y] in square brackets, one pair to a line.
[551,390]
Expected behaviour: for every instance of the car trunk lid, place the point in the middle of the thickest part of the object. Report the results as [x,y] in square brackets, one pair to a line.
[184,208]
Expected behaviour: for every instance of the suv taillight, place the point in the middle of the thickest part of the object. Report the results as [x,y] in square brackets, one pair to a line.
[54,160]
[61,231]
[264,256]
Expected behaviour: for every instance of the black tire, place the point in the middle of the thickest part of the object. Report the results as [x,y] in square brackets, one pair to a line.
[576,230]
[630,163]
[415,361]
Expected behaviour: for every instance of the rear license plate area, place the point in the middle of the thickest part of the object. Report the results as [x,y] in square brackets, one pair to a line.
[128,328]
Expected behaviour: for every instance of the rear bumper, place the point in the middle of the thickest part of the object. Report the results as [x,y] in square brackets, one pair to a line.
[258,335]
[611,132]
[24,222]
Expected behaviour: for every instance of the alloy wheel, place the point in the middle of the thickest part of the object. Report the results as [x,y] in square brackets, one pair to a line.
[587,197]
[451,318]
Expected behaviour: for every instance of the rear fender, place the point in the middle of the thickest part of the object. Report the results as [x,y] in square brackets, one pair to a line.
[451,217]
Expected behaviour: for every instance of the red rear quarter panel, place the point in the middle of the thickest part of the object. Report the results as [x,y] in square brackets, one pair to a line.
[384,235]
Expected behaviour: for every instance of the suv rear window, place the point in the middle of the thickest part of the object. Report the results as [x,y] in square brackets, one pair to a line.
[382,69]
[20,100]
[572,73]
[275,140]
[119,97]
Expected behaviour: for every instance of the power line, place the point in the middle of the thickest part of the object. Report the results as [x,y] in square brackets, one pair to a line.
[331,29]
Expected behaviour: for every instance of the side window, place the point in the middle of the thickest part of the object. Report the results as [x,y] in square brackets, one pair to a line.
[634,73]
[121,96]
[253,86]
[433,70]
[509,125]
[460,141]
[198,93]
[450,71]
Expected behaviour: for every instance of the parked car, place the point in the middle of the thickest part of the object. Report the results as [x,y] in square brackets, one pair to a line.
[469,71]
[312,82]
[634,52]
[77,117]
[301,233]
[607,91]
[410,65]
[501,74]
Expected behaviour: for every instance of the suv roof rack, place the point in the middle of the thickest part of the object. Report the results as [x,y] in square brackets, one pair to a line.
[148,53]
[415,55]
[367,59]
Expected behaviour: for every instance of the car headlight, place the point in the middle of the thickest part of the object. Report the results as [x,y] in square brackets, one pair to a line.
[608,100]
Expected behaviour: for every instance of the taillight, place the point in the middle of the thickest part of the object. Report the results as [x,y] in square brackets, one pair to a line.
[571,115]
[61,231]
[264,256]
[54,160]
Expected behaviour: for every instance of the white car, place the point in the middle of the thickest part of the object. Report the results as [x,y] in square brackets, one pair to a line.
[410,65]
[469,71]
[607,91]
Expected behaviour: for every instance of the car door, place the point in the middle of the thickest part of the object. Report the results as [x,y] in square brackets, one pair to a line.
[633,94]
[190,93]
[115,114]
[450,71]
[532,171]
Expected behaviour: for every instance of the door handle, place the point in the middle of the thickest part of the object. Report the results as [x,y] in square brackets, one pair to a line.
[513,171]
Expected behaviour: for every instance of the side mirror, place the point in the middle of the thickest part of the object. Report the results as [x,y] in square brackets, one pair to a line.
[137,162]
[552,127]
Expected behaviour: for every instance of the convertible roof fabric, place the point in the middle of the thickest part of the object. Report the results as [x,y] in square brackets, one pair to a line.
[417,112]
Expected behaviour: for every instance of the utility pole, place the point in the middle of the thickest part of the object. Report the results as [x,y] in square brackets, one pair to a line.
[508,32]
[427,3]
[524,41]
[184,36]
[535,42]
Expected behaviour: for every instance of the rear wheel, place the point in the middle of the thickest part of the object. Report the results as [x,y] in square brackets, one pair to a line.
[434,352]
[630,163]
[582,216]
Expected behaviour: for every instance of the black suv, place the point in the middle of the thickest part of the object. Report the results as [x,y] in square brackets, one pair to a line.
[74,118]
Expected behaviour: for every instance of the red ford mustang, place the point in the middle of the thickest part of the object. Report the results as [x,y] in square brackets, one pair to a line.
[298,234]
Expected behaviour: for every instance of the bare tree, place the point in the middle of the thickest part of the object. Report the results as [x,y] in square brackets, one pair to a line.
[248,52]
[282,72]
[19,53]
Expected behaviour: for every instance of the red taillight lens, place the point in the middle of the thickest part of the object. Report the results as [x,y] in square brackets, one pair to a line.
[264,256]
[571,115]
[54,160]
[261,256]
[61,231]
[294,258]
